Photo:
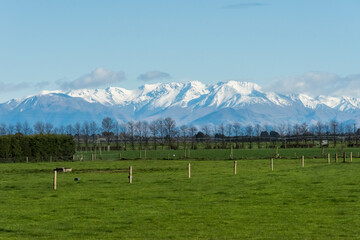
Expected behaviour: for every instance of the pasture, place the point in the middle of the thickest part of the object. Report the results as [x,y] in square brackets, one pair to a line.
[318,201]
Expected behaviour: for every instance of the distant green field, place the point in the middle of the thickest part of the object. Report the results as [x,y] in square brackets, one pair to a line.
[319,201]
[219,154]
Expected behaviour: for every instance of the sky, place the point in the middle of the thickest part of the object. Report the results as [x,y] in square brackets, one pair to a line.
[287,46]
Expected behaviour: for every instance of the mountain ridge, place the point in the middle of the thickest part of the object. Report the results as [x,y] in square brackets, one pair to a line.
[188,103]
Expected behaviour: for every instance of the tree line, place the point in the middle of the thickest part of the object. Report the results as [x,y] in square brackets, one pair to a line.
[39,147]
[164,132]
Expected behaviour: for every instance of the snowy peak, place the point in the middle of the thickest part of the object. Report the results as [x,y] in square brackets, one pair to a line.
[187,102]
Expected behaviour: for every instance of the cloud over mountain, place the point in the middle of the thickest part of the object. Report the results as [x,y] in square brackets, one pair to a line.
[153,75]
[318,83]
[97,78]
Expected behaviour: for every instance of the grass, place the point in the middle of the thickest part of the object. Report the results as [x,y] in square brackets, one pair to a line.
[221,154]
[319,201]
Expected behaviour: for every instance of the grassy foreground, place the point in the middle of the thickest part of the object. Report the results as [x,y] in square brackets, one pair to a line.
[319,201]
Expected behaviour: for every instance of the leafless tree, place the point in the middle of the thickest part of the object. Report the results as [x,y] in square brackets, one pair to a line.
[154,127]
[334,124]
[107,128]
[2,129]
[85,130]
[170,125]
[26,128]
[49,128]
[145,126]
[39,128]
[131,128]
[18,127]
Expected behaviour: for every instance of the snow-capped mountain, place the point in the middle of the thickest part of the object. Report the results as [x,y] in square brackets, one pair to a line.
[187,103]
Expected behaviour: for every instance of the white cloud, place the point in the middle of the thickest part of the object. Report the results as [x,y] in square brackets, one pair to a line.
[153,75]
[98,77]
[319,83]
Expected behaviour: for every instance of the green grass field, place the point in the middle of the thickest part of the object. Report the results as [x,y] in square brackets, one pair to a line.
[220,154]
[319,201]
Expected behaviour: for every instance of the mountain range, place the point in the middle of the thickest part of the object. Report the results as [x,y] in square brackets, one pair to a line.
[192,103]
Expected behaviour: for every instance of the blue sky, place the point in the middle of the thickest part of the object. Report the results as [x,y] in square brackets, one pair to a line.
[283,45]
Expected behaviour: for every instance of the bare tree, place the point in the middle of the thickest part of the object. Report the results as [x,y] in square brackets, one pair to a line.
[154,130]
[184,130]
[334,124]
[2,129]
[26,128]
[169,127]
[161,129]
[77,131]
[124,134]
[61,129]
[207,131]
[18,128]
[48,128]
[131,125]
[237,129]
[192,131]
[249,132]
[107,127]
[85,130]
[39,128]
[70,129]
[117,133]
[145,126]
[139,133]
[93,128]
[257,129]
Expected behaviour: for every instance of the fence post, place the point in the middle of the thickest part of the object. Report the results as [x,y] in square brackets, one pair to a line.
[350,156]
[235,165]
[302,161]
[120,156]
[328,158]
[189,171]
[130,174]
[336,157]
[27,159]
[55,178]
[272,164]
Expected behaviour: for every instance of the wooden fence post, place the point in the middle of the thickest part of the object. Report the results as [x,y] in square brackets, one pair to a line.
[235,165]
[27,159]
[302,161]
[336,157]
[272,164]
[350,156]
[130,174]
[189,171]
[328,158]
[55,178]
